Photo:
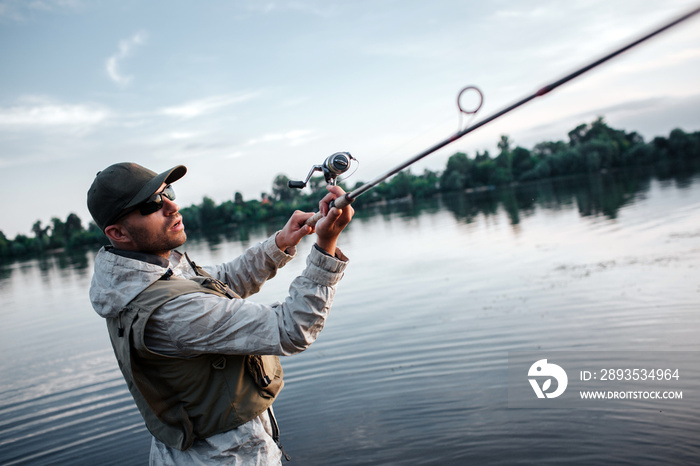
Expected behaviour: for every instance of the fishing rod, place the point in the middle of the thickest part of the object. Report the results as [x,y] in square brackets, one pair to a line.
[348,198]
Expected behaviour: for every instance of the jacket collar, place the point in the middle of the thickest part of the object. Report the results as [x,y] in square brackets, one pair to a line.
[141,256]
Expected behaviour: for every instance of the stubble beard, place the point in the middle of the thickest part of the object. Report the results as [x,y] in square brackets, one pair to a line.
[159,243]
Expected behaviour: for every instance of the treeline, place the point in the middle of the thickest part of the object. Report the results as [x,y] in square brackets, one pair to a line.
[56,236]
[591,148]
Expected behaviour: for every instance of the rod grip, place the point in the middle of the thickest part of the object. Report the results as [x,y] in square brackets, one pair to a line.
[341,203]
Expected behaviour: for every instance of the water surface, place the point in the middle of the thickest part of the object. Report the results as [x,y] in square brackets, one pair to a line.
[412,367]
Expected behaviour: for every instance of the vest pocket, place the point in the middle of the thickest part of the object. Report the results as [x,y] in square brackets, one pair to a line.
[267,374]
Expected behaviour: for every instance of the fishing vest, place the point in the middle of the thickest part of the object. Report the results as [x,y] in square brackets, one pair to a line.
[184,399]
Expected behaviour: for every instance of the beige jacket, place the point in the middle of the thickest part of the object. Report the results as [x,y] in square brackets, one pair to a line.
[203,323]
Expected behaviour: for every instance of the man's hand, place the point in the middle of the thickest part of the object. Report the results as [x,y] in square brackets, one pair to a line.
[293,231]
[333,222]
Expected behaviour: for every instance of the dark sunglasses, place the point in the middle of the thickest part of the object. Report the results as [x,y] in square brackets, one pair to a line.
[152,204]
[155,202]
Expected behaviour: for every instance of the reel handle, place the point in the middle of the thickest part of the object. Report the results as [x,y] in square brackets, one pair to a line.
[341,203]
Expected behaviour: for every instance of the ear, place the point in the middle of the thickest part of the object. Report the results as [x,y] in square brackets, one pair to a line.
[118,235]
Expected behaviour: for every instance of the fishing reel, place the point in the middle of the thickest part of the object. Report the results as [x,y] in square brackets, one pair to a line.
[334,166]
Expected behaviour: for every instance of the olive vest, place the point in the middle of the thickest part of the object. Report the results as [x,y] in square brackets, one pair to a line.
[184,399]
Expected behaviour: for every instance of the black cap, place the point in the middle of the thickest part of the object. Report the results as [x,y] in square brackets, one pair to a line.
[125,185]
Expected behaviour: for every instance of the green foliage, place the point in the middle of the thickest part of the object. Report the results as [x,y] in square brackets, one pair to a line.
[281,191]
[522,161]
[59,235]
[591,148]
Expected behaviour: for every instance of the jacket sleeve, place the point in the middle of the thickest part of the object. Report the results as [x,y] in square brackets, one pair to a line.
[203,323]
[247,273]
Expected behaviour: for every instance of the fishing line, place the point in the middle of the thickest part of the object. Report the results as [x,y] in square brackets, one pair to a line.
[357,165]
[348,198]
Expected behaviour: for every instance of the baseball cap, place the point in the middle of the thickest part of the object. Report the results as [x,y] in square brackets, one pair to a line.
[125,185]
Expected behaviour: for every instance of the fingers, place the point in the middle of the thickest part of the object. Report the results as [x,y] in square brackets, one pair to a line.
[296,236]
[323,204]
[335,221]
[343,215]
[300,228]
[334,214]
[294,230]
[299,217]
[334,193]
[337,190]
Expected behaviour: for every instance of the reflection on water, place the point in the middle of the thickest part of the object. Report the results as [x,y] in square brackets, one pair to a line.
[412,366]
[591,196]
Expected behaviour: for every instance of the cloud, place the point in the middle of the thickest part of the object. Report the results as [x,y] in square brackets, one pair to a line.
[632,106]
[524,12]
[37,112]
[10,11]
[322,9]
[126,47]
[207,105]
[20,10]
[182,135]
[682,57]
[293,138]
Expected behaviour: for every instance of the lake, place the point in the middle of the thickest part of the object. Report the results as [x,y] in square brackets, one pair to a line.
[442,299]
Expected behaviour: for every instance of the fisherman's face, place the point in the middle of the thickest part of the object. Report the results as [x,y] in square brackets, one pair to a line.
[157,233]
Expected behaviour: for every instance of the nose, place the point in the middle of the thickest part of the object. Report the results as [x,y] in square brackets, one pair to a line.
[169,207]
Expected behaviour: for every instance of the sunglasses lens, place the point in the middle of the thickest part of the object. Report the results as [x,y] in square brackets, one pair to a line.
[155,203]
[149,207]
[169,192]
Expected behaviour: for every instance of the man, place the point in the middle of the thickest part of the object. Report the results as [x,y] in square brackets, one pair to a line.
[199,359]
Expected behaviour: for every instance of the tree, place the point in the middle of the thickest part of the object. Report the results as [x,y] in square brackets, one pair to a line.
[22,246]
[4,247]
[41,234]
[482,157]
[600,134]
[504,163]
[400,185]
[504,144]
[548,148]
[74,229]
[281,191]
[634,138]
[451,181]
[191,217]
[521,162]
[73,224]
[58,233]
[207,212]
[578,135]
[482,168]
[567,162]
[457,173]
[426,184]
[680,144]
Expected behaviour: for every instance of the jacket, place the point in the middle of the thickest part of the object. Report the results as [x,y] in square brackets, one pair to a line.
[201,323]
[185,398]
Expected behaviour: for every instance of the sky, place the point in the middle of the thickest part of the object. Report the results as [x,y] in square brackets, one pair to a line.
[241,91]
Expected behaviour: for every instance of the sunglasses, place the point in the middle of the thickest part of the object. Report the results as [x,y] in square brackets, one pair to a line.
[152,204]
[155,202]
